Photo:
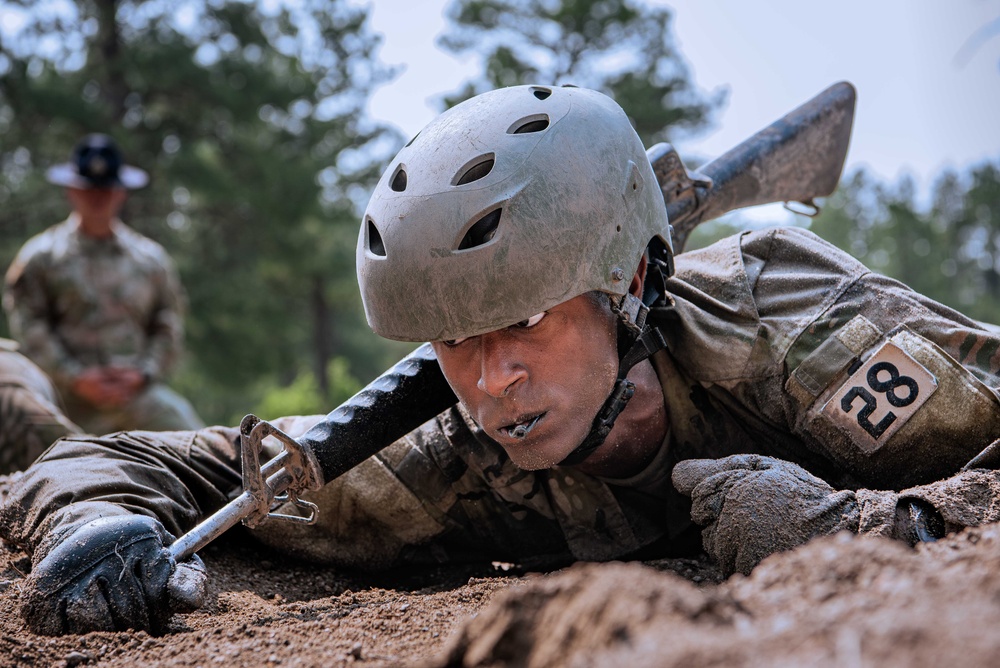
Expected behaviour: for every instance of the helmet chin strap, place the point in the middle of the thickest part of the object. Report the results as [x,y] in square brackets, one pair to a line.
[645,341]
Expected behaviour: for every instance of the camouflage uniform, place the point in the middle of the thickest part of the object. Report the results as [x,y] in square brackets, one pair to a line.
[75,302]
[30,418]
[773,338]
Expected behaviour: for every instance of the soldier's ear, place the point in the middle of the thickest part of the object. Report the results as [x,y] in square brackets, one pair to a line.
[640,277]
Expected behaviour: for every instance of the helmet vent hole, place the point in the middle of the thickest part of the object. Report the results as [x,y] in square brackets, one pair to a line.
[530,124]
[475,170]
[399,180]
[541,93]
[413,139]
[375,245]
[482,231]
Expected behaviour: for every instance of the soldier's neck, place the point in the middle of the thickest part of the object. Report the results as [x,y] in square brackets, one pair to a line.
[638,432]
[99,227]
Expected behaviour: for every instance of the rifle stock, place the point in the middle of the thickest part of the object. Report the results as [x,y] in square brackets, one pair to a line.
[798,157]
[391,406]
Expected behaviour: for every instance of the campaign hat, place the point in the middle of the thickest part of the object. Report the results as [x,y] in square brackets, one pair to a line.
[96,162]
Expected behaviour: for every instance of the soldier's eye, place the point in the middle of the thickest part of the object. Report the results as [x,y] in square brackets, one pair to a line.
[454,342]
[532,321]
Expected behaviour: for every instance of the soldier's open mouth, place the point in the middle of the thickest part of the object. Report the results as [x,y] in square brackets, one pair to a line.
[521,429]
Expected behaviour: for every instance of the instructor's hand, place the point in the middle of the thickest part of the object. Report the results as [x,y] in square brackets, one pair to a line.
[111,574]
[752,506]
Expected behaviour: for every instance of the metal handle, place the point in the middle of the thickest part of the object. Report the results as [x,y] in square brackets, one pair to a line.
[281,479]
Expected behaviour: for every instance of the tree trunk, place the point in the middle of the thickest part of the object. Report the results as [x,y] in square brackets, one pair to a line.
[113,88]
[321,334]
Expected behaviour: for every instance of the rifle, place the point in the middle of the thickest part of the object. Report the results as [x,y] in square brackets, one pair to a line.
[797,158]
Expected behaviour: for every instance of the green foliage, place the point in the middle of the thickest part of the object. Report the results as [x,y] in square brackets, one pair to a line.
[621,47]
[950,251]
[250,119]
[303,395]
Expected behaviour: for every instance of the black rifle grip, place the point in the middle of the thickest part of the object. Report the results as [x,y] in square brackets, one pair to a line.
[394,404]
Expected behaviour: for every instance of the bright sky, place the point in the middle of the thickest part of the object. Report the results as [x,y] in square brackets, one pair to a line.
[927,72]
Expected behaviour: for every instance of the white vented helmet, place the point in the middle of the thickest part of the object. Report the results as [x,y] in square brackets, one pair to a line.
[503,207]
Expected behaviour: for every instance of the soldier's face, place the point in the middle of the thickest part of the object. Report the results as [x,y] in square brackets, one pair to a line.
[97,202]
[535,387]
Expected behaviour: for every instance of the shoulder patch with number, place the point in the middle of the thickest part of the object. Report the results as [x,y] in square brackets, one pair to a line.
[880,396]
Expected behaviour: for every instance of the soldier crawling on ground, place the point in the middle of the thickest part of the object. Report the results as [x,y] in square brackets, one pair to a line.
[99,306]
[771,389]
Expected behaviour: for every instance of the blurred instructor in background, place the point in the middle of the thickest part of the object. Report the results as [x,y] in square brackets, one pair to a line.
[99,306]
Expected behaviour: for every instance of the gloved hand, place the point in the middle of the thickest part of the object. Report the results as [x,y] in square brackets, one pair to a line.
[753,506]
[111,574]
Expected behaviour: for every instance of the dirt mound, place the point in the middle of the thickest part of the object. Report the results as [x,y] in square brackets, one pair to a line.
[838,601]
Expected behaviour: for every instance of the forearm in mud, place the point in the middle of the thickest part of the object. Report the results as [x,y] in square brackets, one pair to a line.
[753,506]
[176,477]
[367,519]
[967,499]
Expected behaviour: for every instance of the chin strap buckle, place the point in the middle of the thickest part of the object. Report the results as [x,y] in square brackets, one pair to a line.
[630,311]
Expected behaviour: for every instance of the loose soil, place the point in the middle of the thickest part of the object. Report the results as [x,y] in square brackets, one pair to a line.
[837,601]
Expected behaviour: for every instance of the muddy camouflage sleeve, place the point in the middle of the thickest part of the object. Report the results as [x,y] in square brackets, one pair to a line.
[848,373]
[368,517]
[854,376]
[181,477]
[176,477]
[438,495]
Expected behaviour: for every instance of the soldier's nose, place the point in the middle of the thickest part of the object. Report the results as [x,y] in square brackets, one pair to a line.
[499,371]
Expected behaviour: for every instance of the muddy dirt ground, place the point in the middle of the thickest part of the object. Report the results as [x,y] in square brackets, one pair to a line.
[265,610]
[838,601]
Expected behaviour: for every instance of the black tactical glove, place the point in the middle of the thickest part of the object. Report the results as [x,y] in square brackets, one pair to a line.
[753,506]
[111,574]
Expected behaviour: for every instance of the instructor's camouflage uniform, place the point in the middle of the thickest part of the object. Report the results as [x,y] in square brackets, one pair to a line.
[773,339]
[30,418]
[75,301]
